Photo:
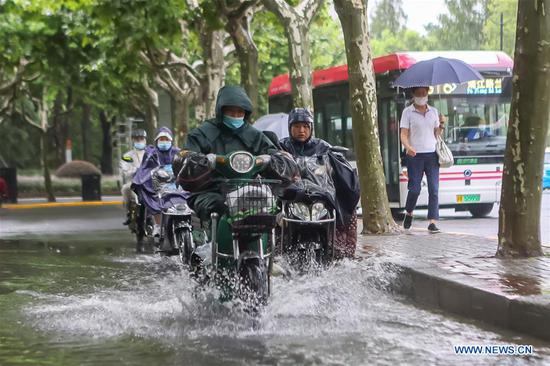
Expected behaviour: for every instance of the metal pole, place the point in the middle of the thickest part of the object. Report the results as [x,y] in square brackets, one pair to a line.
[501,29]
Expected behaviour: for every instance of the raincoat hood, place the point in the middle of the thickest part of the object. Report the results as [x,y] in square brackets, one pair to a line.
[300,115]
[233,96]
[164,131]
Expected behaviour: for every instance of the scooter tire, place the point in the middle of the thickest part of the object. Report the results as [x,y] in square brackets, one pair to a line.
[255,283]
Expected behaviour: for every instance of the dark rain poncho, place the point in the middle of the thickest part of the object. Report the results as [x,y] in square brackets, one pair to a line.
[346,185]
[214,137]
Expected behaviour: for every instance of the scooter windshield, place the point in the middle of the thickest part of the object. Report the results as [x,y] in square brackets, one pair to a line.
[316,173]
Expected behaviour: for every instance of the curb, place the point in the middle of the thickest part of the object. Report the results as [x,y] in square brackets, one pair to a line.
[465,296]
[17,206]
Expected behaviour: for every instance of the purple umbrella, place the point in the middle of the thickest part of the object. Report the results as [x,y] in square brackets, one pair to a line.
[439,70]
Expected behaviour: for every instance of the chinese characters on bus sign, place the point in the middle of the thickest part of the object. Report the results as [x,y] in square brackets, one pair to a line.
[476,87]
[485,86]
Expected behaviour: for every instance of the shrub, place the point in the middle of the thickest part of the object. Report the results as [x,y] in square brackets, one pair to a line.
[76,168]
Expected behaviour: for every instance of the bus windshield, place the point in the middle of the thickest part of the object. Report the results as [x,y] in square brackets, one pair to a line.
[476,125]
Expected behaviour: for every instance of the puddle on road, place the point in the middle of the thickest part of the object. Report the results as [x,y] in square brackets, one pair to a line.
[92,303]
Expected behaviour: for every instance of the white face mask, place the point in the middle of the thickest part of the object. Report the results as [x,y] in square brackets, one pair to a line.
[420,100]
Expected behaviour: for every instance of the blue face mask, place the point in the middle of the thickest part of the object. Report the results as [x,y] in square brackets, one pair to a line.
[232,122]
[139,145]
[164,145]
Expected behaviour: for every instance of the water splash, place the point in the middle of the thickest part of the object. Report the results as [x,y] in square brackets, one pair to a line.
[343,314]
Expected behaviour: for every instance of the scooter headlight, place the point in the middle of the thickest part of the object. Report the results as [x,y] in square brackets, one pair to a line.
[318,211]
[241,162]
[301,211]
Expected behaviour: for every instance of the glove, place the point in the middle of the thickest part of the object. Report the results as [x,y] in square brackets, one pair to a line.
[194,171]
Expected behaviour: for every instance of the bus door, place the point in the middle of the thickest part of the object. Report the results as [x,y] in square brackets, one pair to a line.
[332,117]
[390,147]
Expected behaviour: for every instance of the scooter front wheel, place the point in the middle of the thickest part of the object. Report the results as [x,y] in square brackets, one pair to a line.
[254,280]
[185,246]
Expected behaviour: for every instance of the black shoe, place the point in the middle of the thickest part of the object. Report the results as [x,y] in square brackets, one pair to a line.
[127,222]
[407,222]
[433,229]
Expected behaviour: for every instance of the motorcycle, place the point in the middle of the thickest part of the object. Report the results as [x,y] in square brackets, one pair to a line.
[176,218]
[240,259]
[308,223]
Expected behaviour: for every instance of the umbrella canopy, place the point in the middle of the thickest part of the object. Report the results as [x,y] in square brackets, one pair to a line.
[277,123]
[439,70]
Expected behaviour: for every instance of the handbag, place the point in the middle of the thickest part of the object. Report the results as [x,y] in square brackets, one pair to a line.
[446,159]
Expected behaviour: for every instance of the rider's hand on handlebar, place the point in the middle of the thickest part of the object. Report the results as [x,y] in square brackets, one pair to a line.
[211,160]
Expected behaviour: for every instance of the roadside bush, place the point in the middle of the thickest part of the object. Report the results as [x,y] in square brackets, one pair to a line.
[76,168]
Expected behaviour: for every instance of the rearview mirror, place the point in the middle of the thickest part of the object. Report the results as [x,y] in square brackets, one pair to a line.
[339,149]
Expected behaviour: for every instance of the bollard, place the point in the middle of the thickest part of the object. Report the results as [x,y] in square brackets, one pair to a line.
[91,187]
[10,177]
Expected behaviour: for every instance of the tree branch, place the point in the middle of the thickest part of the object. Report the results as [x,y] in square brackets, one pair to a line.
[281,8]
[240,10]
[309,8]
[18,77]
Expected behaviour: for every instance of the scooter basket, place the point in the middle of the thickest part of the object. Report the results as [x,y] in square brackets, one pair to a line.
[252,206]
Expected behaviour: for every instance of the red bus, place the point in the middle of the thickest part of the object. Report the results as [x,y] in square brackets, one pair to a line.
[477,114]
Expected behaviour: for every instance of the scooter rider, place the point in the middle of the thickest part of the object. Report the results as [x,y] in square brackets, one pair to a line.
[128,165]
[302,143]
[159,155]
[229,131]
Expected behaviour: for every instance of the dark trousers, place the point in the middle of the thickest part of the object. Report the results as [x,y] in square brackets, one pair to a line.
[207,202]
[416,167]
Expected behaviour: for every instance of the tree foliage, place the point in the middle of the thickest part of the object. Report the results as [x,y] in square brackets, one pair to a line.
[462,27]
[491,28]
[388,15]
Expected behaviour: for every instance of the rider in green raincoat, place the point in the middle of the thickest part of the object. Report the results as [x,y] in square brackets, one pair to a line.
[228,132]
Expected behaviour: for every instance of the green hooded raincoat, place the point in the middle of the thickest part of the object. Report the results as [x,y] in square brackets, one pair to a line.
[214,137]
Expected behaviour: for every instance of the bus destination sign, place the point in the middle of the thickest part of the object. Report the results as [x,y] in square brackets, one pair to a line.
[490,86]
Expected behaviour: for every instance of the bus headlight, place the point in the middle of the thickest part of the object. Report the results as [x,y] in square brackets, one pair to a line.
[241,162]
[318,211]
[301,211]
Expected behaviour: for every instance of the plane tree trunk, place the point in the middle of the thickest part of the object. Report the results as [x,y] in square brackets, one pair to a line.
[377,216]
[519,214]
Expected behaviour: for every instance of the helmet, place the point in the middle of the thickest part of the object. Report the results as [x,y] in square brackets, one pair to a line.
[139,133]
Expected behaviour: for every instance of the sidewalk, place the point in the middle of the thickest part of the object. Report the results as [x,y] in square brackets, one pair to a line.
[459,274]
[40,202]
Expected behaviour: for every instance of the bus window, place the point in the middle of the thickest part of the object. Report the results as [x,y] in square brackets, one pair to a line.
[333,115]
[475,125]
[280,104]
[348,133]
[318,129]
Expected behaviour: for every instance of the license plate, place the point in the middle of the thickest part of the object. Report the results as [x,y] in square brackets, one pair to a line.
[465,198]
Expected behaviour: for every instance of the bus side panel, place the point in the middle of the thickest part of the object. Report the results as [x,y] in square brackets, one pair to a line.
[460,185]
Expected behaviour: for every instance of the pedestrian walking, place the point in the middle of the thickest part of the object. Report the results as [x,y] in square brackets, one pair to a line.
[420,125]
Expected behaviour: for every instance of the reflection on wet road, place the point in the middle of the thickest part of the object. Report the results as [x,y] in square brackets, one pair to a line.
[89,299]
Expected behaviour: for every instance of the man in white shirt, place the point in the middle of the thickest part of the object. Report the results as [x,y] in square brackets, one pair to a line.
[420,125]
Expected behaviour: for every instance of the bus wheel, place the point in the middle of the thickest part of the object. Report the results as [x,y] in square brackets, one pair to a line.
[480,209]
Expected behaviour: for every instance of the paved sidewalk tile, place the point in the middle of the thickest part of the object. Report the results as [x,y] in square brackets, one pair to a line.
[467,255]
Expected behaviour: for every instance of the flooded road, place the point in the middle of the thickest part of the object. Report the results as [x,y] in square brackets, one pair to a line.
[85,298]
